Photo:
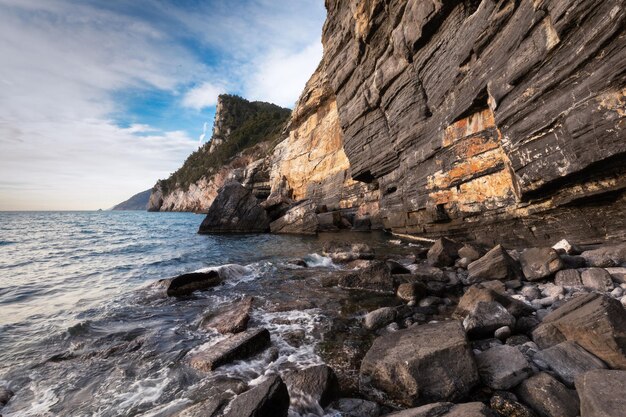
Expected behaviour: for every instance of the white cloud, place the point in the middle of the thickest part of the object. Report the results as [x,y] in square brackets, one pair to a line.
[203,96]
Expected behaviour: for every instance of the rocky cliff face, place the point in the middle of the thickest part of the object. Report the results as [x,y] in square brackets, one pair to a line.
[478,115]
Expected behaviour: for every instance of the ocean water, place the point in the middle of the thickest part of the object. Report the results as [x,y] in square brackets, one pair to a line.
[85,332]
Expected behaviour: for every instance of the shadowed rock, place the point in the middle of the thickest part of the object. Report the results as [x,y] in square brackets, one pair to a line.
[186,284]
[268,399]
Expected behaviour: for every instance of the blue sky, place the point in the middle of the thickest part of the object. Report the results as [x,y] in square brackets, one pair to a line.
[99,99]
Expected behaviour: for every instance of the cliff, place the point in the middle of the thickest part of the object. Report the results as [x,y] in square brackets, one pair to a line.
[137,202]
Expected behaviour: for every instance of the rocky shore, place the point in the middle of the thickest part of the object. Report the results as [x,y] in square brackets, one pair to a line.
[474,332]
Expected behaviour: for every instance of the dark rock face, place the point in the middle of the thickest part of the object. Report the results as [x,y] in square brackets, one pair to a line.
[235,210]
[421,364]
[188,283]
[238,346]
[269,399]
[478,117]
[596,322]
[601,393]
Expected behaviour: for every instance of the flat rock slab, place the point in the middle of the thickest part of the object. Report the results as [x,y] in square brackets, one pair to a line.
[421,364]
[186,284]
[602,393]
[475,409]
[596,322]
[502,367]
[486,318]
[539,263]
[268,399]
[548,397]
[496,264]
[238,346]
[230,319]
[568,360]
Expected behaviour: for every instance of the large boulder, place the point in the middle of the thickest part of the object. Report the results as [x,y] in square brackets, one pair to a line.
[237,346]
[568,360]
[232,318]
[548,397]
[474,409]
[312,389]
[235,210]
[606,256]
[596,322]
[268,399]
[502,367]
[477,293]
[444,252]
[186,284]
[418,365]
[300,219]
[375,277]
[496,264]
[539,263]
[486,318]
[602,393]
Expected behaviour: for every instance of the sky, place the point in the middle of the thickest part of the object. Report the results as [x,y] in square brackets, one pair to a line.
[100,98]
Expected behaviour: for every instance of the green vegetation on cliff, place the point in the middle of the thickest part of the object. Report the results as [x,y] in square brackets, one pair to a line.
[243,125]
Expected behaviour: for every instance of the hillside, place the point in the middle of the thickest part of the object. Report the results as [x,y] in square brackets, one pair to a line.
[137,202]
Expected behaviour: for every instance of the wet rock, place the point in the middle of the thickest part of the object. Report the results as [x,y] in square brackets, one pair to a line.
[376,277]
[548,397]
[596,322]
[597,279]
[355,407]
[411,291]
[230,319]
[618,274]
[218,392]
[431,362]
[568,278]
[379,318]
[486,318]
[606,256]
[397,268]
[508,406]
[186,284]
[268,399]
[346,252]
[443,252]
[470,252]
[5,396]
[496,264]
[316,384]
[565,247]
[300,219]
[479,292]
[539,263]
[502,367]
[601,393]
[237,346]
[235,210]
[568,360]
[475,409]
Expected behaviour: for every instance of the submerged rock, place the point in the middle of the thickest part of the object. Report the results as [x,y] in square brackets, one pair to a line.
[601,393]
[268,399]
[232,318]
[186,284]
[347,252]
[432,362]
[238,346]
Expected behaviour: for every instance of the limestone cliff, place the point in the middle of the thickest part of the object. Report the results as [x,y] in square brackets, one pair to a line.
[484,118]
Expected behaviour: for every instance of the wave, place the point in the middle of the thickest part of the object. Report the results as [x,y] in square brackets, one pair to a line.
[314,260]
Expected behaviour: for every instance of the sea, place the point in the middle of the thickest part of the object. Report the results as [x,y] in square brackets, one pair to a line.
[85,329]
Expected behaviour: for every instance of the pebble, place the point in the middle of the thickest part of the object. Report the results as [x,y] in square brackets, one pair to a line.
[531,292]
[503,333]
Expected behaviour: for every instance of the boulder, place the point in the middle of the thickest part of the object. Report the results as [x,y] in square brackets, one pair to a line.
[568,278]
[601,393]
[235,210]
[565,247]
[443,252]
[232,318]
[474,409]
[410,291]
[396,267]
[496,264]
[347,252]
[618,274]
[502,367]
[479,292]
[316,384]
[379,318]
[539,263]
[548,397]
[470,252]
[186,284]
[375,277]
[268,399]
[596,322]
[421,364]
[486,318]
[597,279]
[506,405]
[606,256]
[300,219]
[568,360]
[237,346]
